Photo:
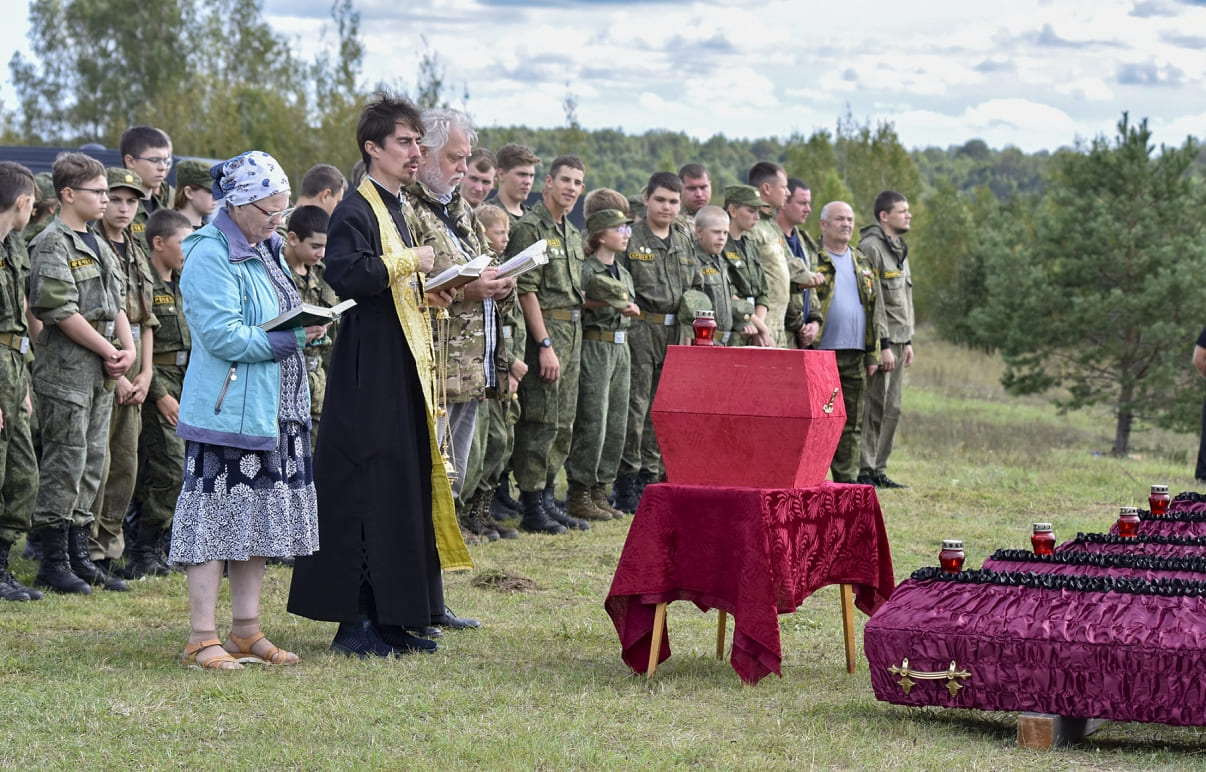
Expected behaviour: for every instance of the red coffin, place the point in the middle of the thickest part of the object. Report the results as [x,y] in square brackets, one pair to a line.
[748,417]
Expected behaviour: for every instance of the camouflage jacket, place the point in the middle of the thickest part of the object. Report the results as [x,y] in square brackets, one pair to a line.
[745,270]
[557,284]
[796,317]
[891,263]
[171,336]
[662,269]
[458,237]
[14,275]
[868,294]
[616,292]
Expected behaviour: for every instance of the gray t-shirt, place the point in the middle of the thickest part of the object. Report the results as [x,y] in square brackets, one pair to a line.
[845,322]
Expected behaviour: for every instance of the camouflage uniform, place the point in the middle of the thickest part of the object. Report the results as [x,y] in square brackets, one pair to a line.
[75,398]
[503,412]
[313,289]
[662,271]
[470,334]
[797,317]
[542,435]
[160,200]
[603,391]
[890,260]
[18,464]
[732,313]
[852,365]
[766,241]
[162,450]
[125,424]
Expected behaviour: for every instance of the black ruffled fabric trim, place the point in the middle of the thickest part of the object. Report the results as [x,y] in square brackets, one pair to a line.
[1130,585]
[1106,560]
[1109,538]
[1190,496]
[1178,516]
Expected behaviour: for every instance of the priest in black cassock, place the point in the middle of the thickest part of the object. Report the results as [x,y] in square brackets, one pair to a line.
[386,520]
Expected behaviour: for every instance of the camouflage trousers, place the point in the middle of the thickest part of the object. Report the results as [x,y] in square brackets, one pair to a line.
[161,457]
[477,453]
[499,417]
[316,379]
[18,464]
[647,344]
[852,374]
[882,416]
[546,423]
[75,434]
[599,428]
[117,482]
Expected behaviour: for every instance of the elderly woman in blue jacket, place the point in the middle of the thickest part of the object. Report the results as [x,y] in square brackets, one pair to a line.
[248,490]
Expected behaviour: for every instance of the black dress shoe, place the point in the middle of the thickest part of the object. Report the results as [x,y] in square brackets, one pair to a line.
[883,481]
[426,632]
[453,622]
[360,639]
[401,640]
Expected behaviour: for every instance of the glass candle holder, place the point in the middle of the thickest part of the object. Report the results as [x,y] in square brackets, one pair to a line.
[1128,522]
[951,557]
[1158,500]
[1043,539]
[705,328]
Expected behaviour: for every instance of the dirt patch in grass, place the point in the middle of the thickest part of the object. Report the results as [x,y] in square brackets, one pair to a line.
[502,581]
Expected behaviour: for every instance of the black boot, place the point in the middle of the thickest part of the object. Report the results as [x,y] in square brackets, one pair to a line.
[627,497]
[481,515]
[535,519]
[83,567]
[55,571]
[558,514]
[502,497]
[33,547]
[10,588]
[146,555]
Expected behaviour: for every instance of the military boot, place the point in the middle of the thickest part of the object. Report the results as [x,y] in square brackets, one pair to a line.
[558,514]
[472,526]
[478,523]
[10,588]
[502,497]
[627,497]
[598,494]
[582,506]
[535,519]
[82,565]
[55,570]
[483,501]
[146,555]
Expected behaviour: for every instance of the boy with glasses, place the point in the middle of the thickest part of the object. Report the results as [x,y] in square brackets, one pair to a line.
[147,151]
[76,290]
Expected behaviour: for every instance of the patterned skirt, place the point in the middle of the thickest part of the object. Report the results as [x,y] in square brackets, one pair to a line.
[236,504]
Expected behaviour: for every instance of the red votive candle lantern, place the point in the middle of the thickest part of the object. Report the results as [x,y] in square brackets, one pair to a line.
[705,328]
[1158,500]
[1128,522]
[1043,539]
[951,556]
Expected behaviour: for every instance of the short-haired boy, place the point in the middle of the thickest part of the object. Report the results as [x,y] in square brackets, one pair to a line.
[18,464]
[76,290]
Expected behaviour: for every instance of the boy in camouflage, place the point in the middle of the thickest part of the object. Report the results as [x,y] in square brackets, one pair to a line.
[76,290]
[161,449]
[18,464]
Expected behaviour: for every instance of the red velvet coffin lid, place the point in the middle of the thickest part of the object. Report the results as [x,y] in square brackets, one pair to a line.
[748,417]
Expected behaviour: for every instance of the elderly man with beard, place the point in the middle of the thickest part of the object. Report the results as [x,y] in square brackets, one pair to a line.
[470,338]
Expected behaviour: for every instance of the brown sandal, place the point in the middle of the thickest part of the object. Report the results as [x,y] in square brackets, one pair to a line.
[242,652]
[221,661]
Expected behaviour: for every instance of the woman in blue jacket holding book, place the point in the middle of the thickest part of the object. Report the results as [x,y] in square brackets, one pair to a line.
[248,490]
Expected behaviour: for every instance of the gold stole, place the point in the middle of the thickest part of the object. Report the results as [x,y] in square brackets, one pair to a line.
[403,264]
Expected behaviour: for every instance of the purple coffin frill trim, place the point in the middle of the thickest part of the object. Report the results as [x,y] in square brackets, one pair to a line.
[1065,650]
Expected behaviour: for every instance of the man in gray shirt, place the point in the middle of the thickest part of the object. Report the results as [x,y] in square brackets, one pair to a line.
[849,305]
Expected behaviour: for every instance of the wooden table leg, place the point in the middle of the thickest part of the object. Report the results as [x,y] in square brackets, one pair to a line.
[848,625]
[655,645]
[720,625]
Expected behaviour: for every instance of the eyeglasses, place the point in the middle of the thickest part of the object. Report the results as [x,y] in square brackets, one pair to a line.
[98,192]
[282,214]
[623,230]
[166,163]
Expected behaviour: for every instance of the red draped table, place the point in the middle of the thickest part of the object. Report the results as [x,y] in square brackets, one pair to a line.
[754,553]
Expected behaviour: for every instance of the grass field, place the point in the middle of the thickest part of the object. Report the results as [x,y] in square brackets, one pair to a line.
[93,682]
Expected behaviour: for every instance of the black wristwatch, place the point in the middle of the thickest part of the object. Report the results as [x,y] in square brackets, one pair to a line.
[546,343]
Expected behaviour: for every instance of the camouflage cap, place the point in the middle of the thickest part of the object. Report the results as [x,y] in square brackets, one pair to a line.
[45,185]
[742,195]
[604,219]
[124,178]
[742,311]
[608,290]
[193,173]
[636,206]
[693,301]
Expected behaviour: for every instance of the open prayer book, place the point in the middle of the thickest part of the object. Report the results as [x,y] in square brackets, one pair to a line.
[458,275]
[307,315]
[532,257]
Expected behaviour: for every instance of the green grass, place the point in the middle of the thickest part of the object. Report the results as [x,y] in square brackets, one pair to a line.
[94,682]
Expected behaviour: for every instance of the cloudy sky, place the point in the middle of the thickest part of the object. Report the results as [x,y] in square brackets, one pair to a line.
[1031,73]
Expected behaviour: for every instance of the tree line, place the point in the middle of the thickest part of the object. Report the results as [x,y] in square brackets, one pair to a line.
[1078,265]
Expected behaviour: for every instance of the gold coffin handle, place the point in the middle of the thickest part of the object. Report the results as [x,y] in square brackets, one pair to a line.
[828,407]
[951,674]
